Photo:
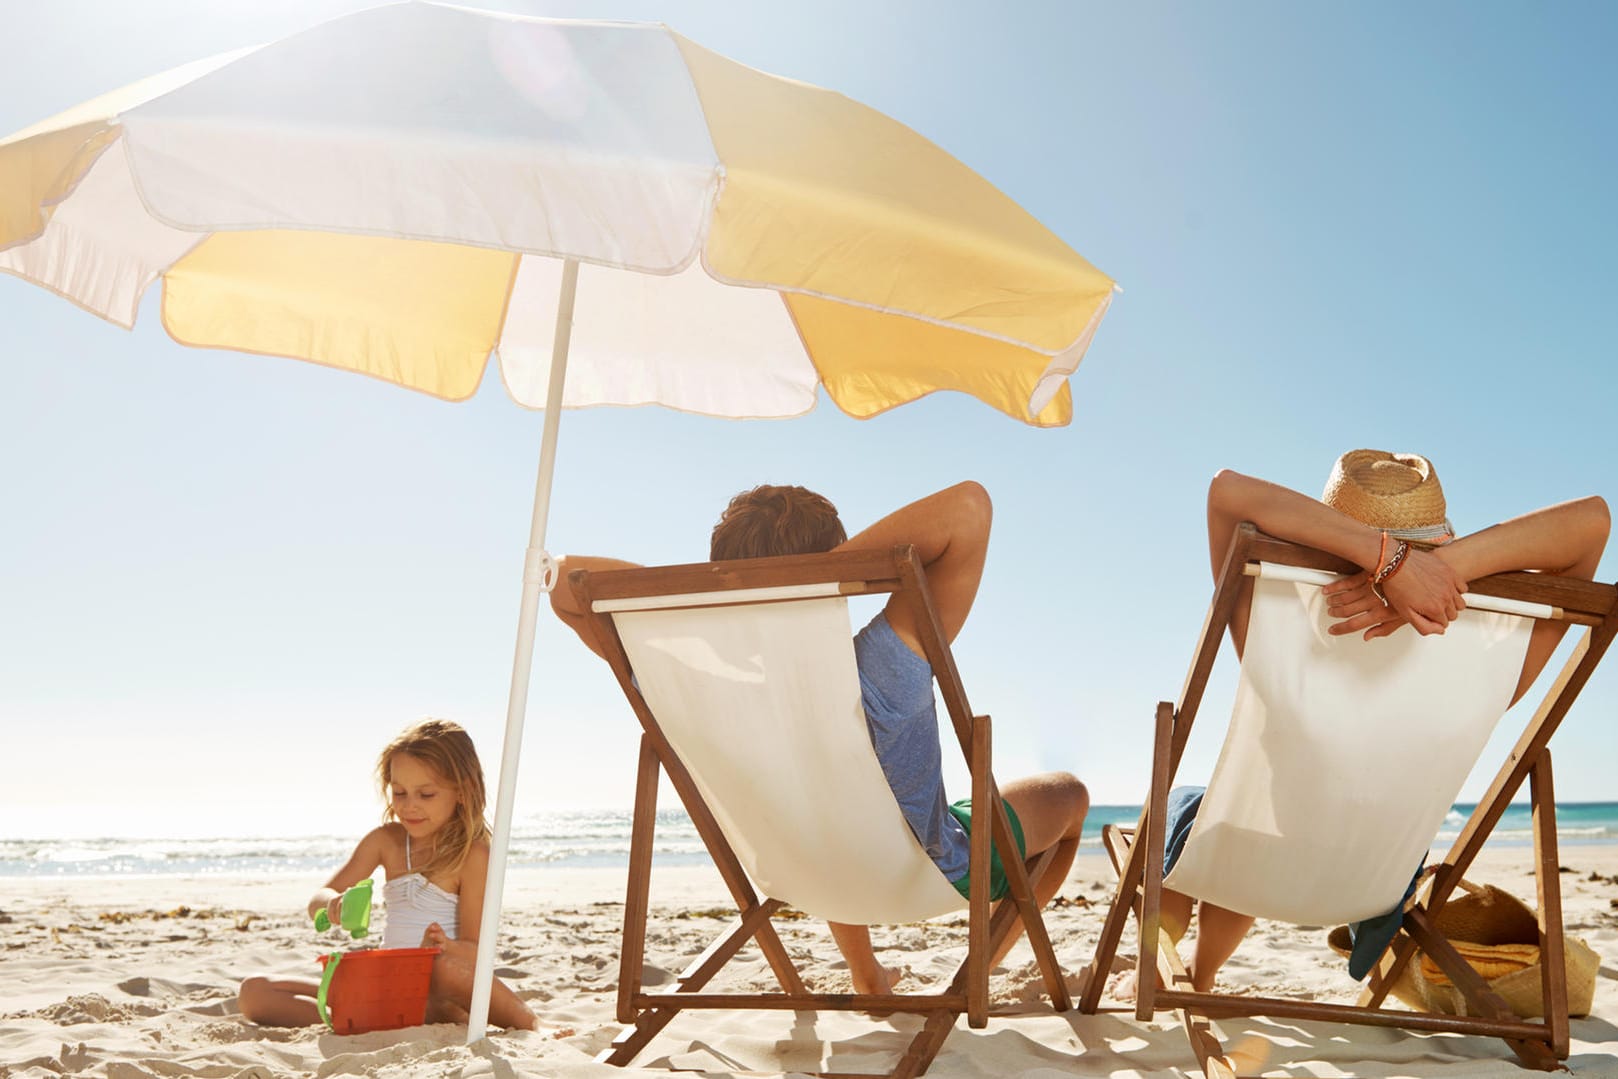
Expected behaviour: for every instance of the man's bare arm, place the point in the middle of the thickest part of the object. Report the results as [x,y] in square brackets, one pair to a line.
[950,532]
[565,605]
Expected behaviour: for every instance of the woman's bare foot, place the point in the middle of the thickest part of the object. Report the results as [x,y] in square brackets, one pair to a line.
[1125,986]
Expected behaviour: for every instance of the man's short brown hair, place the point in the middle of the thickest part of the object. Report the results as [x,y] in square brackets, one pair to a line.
[770,520]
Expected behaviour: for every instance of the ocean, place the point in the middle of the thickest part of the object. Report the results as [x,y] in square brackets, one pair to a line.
[578,838]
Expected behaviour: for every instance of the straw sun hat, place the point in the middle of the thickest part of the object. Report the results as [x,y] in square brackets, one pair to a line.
[1398,492]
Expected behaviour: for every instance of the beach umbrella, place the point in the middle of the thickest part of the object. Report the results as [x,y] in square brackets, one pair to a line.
[619,215]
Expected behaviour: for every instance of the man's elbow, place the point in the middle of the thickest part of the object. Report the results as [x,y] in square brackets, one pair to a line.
[971,505]
[1224,491]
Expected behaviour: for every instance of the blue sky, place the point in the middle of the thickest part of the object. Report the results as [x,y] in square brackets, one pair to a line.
[225,581]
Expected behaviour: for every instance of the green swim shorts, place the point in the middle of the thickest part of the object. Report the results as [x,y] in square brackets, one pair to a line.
[962,811]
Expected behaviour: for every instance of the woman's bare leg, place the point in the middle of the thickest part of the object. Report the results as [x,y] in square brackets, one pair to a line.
[1174,915]
[1219,931]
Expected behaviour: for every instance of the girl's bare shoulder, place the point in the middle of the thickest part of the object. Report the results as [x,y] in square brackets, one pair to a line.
[390,841]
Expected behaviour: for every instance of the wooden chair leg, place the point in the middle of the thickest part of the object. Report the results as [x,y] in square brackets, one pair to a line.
[1039,938]
[1387,971]
[697,974]
[1152,885]
[1548,885]
[1112,929]
[1021,882]
[1199,1031]
[977,934]
[632,959]
[918,1056]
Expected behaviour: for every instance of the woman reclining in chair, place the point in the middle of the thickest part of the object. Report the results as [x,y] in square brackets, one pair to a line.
[1384,512]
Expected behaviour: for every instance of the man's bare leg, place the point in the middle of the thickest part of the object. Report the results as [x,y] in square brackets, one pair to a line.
[1051,807]
[869,976]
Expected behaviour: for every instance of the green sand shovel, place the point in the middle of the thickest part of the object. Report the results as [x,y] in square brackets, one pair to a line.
[355,913]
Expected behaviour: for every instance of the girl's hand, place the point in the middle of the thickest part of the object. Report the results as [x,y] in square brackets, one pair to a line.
[434,937]
[322,901]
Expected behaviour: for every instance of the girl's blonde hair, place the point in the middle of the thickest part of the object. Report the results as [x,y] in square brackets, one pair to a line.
[447,749]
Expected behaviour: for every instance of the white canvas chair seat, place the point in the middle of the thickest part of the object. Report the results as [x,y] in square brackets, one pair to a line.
[762,703]
[1342,758]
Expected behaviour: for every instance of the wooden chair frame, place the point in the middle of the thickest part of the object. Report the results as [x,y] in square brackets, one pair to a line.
[1140,865]
[855,573]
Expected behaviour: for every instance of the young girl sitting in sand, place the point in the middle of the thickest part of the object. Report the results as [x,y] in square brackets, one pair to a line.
[434,847]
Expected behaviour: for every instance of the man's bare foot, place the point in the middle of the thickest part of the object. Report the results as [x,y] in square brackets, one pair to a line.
[878,982]
[881,985]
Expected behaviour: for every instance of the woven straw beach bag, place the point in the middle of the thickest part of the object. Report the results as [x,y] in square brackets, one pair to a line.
[1498,936]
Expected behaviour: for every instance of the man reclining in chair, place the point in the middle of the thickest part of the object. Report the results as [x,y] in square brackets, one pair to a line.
[1386,513]
[950,533]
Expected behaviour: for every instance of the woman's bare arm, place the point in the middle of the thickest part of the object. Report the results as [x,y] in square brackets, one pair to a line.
[1566,540]
[1426,592]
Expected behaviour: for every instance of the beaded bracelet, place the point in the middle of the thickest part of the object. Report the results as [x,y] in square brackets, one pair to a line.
[1386,572]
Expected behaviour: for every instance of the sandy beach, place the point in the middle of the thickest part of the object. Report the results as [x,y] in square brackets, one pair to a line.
[130,978]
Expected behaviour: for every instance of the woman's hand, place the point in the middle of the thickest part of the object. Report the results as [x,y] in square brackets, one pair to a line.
[434,937]
[1425,593]
[1357,607]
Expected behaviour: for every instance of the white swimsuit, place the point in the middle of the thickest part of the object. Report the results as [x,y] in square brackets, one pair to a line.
[412,905]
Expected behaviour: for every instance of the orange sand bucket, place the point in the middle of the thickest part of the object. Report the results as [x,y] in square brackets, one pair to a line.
[377,989]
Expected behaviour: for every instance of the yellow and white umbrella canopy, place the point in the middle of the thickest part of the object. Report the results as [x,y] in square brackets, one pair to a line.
[393,192]
[620,215]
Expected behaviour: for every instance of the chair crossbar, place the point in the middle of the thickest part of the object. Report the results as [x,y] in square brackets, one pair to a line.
[1275,571]
[728,598]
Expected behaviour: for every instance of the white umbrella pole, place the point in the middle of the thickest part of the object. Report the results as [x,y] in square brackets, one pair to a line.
[538,576]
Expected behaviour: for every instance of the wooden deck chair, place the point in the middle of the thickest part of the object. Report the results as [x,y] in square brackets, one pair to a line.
[742,674]
[1342,758]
